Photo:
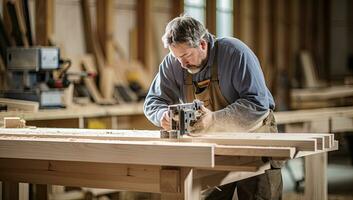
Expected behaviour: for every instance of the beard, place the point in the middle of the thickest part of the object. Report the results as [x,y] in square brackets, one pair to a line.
[193,69]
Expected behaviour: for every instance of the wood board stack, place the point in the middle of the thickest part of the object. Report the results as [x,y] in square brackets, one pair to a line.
[141,161]
[223,151]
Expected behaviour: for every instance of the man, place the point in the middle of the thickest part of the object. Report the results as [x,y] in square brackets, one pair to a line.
[226,75]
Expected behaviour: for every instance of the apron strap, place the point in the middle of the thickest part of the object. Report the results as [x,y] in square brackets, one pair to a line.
[214,75]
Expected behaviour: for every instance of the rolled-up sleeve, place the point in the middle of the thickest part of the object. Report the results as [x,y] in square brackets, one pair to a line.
[164,91]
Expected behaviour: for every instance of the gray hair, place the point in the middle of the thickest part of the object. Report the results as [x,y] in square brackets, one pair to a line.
[184,29]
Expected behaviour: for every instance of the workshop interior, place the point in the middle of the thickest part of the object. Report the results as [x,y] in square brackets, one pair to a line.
[76,78]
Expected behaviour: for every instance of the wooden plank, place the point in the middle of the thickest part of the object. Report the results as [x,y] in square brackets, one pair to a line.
[91,86]
[77,111]
[18,29]
[308,153]
[238,163]
[326,93]
[341,124]
[14,122]
[283,152]
[258,139]
[141,178]
[321,138]
[44,16]
[299,144]
[14,104]
[26,16]
[149,153]
[312,114]
[92,46]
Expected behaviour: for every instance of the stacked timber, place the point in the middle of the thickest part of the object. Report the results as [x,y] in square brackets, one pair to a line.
[223,151]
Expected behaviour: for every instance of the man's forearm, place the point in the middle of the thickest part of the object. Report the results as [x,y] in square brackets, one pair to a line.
[239,116]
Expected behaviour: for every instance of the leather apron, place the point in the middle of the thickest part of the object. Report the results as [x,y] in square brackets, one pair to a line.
[208,90]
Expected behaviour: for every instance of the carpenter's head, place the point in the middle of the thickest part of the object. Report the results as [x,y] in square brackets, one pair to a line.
[187,39]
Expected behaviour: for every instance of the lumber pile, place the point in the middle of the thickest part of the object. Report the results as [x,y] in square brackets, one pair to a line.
[219,151]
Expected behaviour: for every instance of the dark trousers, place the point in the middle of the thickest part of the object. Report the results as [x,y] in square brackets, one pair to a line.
[267,186]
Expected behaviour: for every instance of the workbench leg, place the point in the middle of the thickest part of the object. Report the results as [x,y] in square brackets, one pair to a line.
[81,122]
[190,187]
[40,191]
[316,177]
[23,191]
[179,184]
[9,190]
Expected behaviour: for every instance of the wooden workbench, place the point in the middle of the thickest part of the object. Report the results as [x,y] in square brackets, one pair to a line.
[141,161]
[130,116]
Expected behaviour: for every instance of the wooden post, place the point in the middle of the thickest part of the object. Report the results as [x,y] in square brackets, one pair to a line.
[236,18]
[145,51]
[44,15]
[264,40]
[105,21]
[316,166]
[10,190]
[191,189]
[281,61]
[177,8]
[211,21]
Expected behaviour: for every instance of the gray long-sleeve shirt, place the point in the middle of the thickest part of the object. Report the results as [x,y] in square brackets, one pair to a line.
[241,82]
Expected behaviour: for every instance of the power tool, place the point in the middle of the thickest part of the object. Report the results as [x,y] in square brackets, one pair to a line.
[183,117]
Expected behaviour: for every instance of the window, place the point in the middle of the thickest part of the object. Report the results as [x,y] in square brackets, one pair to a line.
[224,17]
[196,9]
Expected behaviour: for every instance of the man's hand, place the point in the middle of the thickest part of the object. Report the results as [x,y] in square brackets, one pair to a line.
[165,121]
[203,123]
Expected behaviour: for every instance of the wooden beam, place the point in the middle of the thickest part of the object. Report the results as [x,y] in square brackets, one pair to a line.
[14,122]
[145,51]
[18,28]
[284,152]
[317,94]
[190,188]
[44,16]
[105,21]
[211,21]
[300,144]
[264,37]
[141,178]
[92,46]
[177,8]
[308,142]
[237,18]
[14,104]
[149,153]
[10,190]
